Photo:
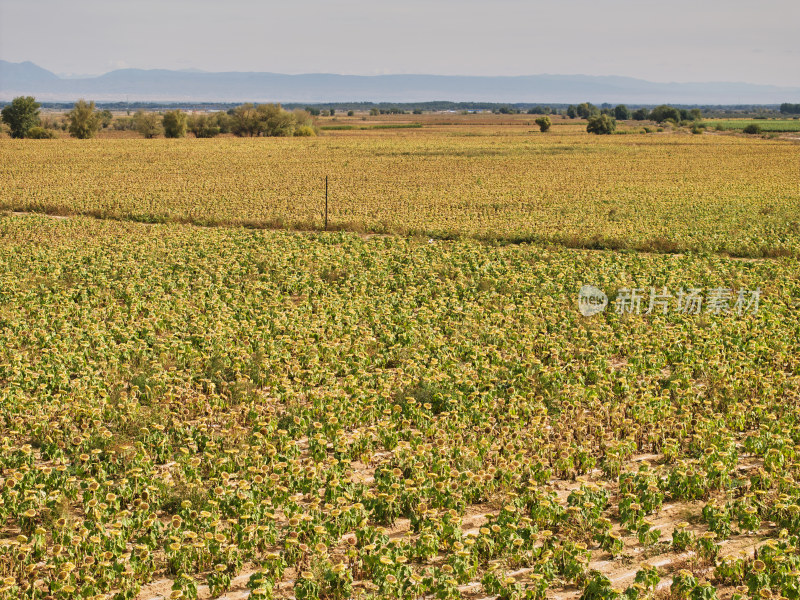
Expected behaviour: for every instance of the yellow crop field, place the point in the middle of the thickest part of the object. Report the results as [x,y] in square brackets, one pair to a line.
[204,395]
[486,179]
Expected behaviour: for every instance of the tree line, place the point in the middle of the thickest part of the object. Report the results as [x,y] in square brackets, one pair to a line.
[323,108]
[84,120]
[604,120]
[660,114]
[24,120]
[790,109]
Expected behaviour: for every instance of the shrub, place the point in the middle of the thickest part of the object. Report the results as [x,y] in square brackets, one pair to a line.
[276,122]
[40,133]
[543,123]
[123,124]
[305,131]
[302,119]
[601,124]
[105,117]
[203,126]
[269,120]
[53,123]
[752,129]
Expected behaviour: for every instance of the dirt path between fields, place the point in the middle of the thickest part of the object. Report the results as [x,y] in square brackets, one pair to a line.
[18,213]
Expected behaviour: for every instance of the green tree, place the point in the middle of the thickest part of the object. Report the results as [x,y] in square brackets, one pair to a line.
[21,115]
[270,120]
[539,110]
[84,120]
[586,110]
[572,112]
[203,126]
[224,121]
[274,121]
[543,123]
[245,121]
[147,123]
[621,112]
[174,123]
[752,129]
[665,112]
[641,114]
[601,124]
[695,114]
[787,108]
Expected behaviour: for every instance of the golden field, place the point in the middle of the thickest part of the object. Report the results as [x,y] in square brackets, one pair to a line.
[483,176]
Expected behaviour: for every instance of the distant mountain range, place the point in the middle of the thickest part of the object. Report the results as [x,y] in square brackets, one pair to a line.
[159,85]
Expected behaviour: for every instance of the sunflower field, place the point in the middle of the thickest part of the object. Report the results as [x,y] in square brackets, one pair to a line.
[481,178]
[195,412]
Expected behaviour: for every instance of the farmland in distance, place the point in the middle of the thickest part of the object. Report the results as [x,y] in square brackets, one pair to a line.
[490,178]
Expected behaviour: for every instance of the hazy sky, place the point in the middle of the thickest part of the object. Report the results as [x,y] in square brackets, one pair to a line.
[672,40]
